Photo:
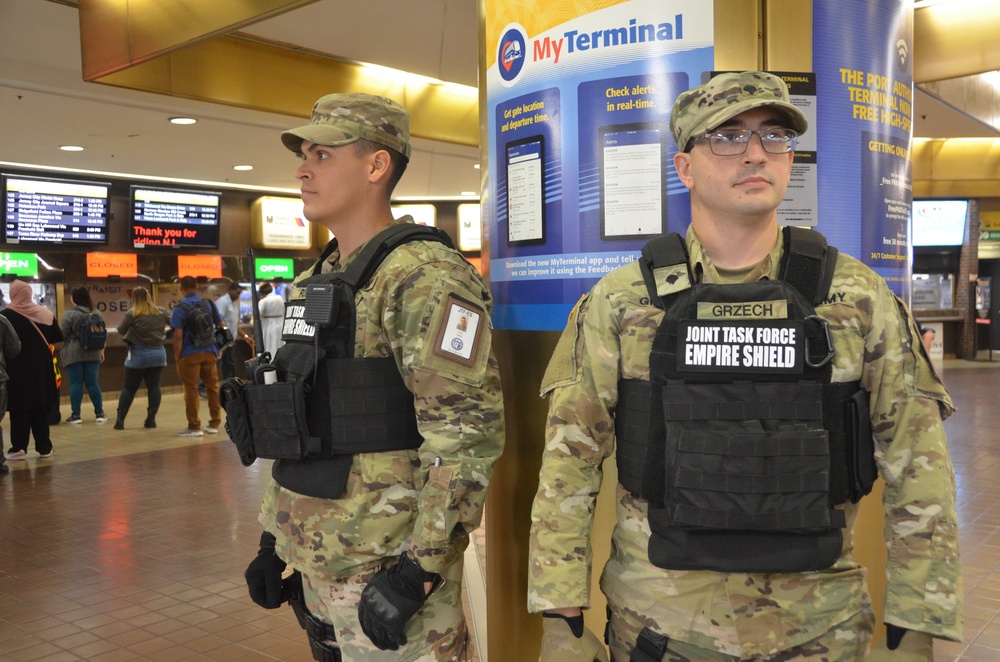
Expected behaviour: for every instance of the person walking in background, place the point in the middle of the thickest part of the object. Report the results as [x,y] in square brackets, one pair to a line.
[272,312]
[10,346]
[194,320]
[144,330]
[213,294]
[229,310]
[31,389]
[81,361]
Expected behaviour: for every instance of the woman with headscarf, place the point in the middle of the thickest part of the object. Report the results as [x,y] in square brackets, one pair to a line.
[144,330]
[31,391]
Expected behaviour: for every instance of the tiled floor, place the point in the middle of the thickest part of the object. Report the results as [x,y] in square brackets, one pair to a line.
[130,545]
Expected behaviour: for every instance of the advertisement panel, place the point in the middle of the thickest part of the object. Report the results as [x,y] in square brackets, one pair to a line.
[580,153]
[864,74]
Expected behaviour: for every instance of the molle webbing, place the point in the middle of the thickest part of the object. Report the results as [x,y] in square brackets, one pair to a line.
[371,410]
[358,406]
[355,405]
[845,416]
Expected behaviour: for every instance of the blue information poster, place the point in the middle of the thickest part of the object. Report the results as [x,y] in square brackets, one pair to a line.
[579,146]
[864,76]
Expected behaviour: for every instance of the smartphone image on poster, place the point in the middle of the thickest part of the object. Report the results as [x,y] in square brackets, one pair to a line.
[633,191]
[526,191]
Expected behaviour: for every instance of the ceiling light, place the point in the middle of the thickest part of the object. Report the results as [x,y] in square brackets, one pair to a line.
[71,148]
[472,193]
[243,167]
[991,78]
[476,166]
[182,120]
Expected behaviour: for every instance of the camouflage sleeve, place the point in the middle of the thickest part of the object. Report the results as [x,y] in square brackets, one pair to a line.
[448,364]
[924,591]
[582,383]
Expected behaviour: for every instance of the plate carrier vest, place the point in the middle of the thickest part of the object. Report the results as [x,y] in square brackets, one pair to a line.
[739,442]
[327,405]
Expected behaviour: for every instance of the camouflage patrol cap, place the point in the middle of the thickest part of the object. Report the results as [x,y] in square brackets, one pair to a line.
[341,119]
[725,96]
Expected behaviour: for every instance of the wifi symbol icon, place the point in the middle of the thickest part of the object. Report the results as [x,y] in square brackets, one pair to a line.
[902,50]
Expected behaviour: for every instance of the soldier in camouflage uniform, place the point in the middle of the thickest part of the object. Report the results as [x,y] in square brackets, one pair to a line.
[709,615]
[408,512]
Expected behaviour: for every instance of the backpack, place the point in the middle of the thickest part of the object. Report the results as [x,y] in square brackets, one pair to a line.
[91,331]
[199,324]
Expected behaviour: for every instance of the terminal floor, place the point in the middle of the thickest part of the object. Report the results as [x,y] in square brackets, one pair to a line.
[130,545]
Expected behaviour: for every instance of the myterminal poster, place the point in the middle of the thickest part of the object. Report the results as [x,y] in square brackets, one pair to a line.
[579,147]
[864,74]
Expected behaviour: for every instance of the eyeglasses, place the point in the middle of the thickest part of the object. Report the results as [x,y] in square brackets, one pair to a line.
[733,142]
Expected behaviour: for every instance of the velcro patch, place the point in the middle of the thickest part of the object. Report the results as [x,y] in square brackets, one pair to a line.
[774,347]
[459,336]
[743,310]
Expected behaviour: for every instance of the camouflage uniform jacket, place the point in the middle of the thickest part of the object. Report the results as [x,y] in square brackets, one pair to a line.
[608,337]
[399,500]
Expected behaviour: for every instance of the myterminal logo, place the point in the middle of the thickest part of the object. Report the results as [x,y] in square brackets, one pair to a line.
[510,54]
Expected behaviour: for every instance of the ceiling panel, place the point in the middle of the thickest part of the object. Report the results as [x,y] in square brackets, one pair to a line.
[44,102]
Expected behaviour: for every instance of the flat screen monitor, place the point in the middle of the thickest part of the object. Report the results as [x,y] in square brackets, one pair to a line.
[43,210]
[174,218]
[939,222]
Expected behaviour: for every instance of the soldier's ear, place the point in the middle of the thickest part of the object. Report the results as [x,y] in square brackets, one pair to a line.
[682,164]
[380,164]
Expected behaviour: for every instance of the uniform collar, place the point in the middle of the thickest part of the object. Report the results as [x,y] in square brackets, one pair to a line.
[333,261]
[704,270]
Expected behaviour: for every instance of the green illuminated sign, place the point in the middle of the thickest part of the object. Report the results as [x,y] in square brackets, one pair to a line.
[270,268]
[19,264]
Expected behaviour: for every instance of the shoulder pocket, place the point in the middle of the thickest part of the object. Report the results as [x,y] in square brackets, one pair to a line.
[565,365]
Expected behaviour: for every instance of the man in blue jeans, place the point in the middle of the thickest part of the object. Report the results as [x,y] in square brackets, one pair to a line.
[194,363]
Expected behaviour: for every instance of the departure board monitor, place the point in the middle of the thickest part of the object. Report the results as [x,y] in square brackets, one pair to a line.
[174,218]
[43,210]
[939,222]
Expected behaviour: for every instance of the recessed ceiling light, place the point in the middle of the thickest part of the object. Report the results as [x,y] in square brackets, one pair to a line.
[470,193]
[476,166]
[243,167]
[182,120]
[71,148]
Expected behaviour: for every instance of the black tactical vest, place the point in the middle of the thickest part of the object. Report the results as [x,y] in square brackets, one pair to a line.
[352,405]
[739,442]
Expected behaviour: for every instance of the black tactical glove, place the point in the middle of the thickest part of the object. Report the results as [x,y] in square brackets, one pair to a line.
[263,575]
[565,639]
[895,647]
[893,635]
[391,598]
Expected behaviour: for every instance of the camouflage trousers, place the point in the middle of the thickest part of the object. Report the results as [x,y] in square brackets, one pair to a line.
[437,632]
[845,642]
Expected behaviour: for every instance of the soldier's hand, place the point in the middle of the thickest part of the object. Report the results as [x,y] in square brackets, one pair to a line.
[902,645]
[565,639]
[263,575]
[391,599]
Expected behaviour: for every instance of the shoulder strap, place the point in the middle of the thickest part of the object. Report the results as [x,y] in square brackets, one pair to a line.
[808,263]
[663,251]
[381,245]
[331,246]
